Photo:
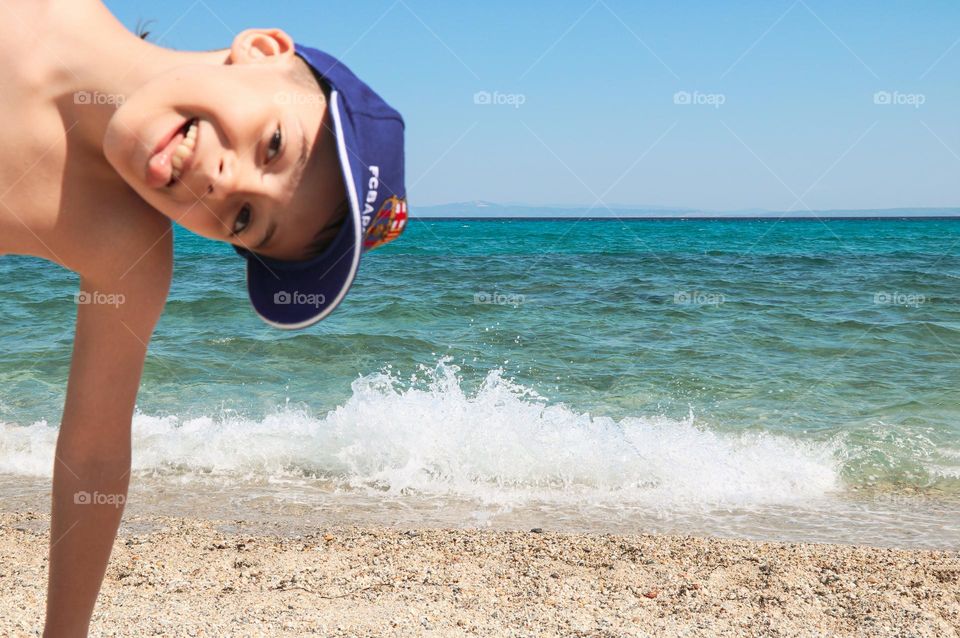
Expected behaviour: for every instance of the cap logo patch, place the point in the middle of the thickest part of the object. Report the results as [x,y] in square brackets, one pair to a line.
[388,223]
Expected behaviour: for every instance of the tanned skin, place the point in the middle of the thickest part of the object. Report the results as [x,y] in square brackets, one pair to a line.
[74,191]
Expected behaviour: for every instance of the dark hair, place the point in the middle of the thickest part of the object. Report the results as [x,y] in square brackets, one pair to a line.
[141,28]
[325,235]
[328,233]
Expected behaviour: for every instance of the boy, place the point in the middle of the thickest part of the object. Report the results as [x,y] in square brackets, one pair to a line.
[273,147]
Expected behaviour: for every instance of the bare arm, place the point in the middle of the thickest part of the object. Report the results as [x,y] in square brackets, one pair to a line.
[91,470]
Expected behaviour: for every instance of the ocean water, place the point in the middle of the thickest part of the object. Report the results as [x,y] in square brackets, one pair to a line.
[769,379]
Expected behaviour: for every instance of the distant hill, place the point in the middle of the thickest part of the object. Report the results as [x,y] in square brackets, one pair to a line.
[482,209]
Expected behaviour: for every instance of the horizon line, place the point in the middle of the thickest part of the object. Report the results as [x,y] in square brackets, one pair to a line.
[771,217]
[482,203]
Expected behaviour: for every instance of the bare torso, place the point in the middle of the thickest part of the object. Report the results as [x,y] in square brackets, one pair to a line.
[59,198]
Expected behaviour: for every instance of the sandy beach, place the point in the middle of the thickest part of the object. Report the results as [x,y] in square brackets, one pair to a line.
[182,577]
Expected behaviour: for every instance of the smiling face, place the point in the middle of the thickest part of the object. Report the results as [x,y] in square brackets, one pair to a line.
[241,152]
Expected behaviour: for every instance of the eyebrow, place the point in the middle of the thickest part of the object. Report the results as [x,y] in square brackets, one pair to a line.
[295,179]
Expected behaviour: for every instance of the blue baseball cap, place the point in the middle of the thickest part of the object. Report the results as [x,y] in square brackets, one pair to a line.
[369,136]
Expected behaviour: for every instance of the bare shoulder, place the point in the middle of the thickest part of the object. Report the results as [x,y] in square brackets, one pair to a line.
[31,31]
[130,255]
[32,18]
[22,21]
[134,233]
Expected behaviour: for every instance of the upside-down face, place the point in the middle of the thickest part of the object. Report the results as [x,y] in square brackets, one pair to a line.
[223,150]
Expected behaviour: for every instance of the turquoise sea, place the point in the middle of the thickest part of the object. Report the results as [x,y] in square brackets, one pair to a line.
[792,379]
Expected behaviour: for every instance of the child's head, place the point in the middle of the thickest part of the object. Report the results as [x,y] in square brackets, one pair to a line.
[280,151]
[265,163]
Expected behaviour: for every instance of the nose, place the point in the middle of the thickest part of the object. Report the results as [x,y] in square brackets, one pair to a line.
[223,180]
[228,178]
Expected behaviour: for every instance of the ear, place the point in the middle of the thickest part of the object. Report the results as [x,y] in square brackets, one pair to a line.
[254,46]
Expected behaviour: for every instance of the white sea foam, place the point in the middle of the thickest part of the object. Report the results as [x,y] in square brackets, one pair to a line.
[500,444]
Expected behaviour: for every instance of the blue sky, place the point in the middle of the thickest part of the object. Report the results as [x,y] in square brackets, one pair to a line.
[779,104]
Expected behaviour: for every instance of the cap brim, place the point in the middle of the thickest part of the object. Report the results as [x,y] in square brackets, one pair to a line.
[294,295]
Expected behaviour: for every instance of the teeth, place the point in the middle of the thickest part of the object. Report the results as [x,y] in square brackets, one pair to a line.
[184,149]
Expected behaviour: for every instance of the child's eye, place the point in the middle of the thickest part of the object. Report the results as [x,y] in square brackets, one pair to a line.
[242,220]
[275,143]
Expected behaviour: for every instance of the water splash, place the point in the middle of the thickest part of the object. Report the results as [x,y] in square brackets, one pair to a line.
[501,444]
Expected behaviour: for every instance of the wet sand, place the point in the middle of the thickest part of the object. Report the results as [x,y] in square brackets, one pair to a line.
[183,577]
